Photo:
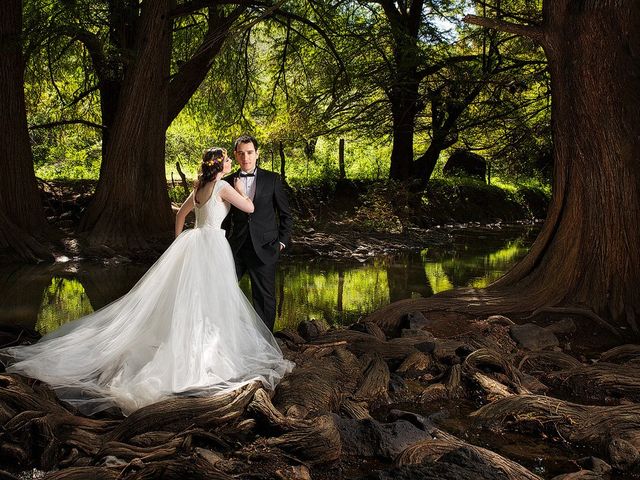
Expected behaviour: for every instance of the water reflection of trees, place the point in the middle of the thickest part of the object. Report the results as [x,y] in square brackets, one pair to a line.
[63,300]
[335,292]
[472,270]
[21,297]
[340,293]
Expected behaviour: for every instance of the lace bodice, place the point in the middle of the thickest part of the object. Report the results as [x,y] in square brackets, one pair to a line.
[212,212]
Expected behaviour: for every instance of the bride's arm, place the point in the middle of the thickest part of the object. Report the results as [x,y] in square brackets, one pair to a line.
[237,197]
[186,207]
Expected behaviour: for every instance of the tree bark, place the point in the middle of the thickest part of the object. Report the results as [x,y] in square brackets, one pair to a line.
[425,164]
[403,93]
[20,201]
[131,203]
[588,252]
[404,98]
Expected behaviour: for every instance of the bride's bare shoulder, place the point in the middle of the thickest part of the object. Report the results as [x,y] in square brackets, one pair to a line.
[204,192]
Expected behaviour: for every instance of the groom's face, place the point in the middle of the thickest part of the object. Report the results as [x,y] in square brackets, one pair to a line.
[246,156]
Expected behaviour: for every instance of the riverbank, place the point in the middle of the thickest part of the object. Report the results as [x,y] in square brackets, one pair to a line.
[345,219]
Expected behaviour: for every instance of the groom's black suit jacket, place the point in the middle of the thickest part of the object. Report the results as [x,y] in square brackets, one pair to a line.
[268,225]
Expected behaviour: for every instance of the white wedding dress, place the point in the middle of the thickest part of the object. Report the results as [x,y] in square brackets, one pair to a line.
[185,328]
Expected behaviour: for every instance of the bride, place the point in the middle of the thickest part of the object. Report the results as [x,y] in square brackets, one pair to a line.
[185,328]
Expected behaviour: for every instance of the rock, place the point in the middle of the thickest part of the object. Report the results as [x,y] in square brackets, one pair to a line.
[370,438]
[595,464]
[310,329]
[423,423]
[624,456]
[466,164]
[416,333]
[565,326]
[533,337]
[417,321]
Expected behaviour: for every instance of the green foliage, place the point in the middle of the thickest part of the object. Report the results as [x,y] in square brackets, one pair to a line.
[178,194]
[302,84]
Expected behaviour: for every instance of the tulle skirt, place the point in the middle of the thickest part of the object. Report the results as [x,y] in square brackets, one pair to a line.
[185,328]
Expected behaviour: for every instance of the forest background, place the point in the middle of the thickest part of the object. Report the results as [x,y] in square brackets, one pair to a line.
[361,90]
[300,78]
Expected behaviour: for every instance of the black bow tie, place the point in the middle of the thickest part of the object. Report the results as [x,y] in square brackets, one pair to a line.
[242,174]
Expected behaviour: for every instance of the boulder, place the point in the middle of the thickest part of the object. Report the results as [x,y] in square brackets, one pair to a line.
[466,164]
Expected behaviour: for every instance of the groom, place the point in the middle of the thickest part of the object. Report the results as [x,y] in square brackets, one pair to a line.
[257,238]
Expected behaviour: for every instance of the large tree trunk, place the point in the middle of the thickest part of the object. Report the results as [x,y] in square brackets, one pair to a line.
[123,15]
[131,203]
[587,255]
[20,201]
[404,92]
[588,252]
[403,112]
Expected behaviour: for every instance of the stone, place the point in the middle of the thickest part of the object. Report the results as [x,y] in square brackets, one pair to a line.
[466,164]
[370,438]
[533,337]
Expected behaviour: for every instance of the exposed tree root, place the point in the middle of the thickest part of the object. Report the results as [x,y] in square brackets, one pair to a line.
[600,382]
[329,407]
[478,303]
[601,428]
[442,445]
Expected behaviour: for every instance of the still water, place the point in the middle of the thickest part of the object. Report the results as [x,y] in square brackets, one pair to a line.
[45,297]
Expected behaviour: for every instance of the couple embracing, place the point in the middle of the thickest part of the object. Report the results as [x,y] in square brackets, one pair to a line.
[186,328]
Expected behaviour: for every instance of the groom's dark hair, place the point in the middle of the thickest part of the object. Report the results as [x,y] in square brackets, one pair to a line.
[245,139]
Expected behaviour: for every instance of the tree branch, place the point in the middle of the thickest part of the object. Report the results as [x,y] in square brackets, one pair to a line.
[435,68]
[192,73]
[317,28]
[534,32]
[68,122]
[188,8]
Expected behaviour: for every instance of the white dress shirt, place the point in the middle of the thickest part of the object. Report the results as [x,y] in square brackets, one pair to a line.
[250,184]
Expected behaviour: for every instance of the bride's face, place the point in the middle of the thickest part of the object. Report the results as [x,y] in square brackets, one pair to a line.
[226,166]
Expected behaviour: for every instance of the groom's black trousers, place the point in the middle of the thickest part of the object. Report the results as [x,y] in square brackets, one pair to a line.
[263,282]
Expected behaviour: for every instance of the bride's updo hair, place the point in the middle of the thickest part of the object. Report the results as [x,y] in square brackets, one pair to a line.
[212,164]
